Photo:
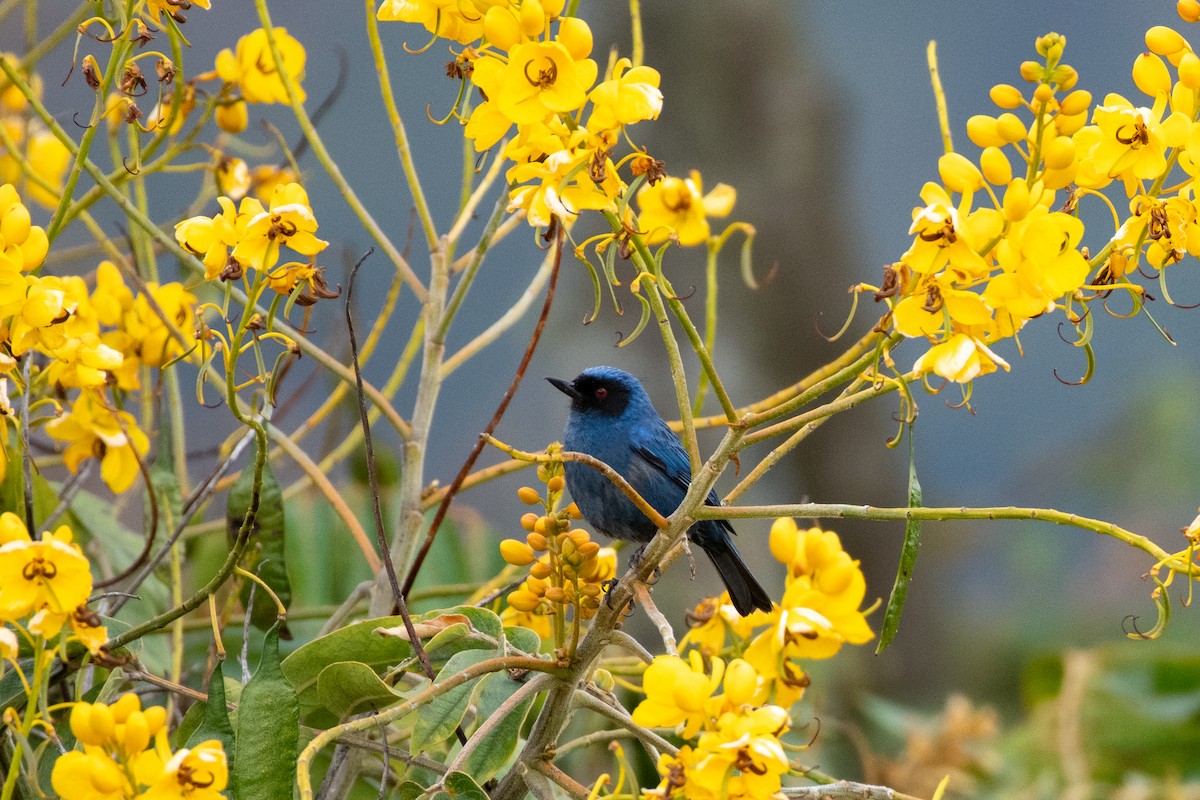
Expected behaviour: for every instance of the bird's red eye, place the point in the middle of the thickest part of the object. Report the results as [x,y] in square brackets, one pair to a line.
[601,393]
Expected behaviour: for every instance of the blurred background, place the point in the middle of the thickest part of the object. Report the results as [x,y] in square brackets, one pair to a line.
[822,117]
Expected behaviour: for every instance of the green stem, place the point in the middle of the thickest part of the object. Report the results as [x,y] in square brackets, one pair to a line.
[846,511]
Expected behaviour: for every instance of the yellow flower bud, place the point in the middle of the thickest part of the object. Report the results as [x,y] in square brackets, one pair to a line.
[784,535]
[1006,95]
[232,117]
[1150,75]
[516,552]
[1188,10]
[1059,153]
[555,594]
[14,225]
[540,569]
[1010,128]
[1016,201]
[1060,178]
[528,520]
[528,495]
[997,169]
[573,512]
[1032,71]
[137,733]
[537,541]
[1069,124]
[1076,102]
[591,589]
[156,717]
[1065,77]
[1050,46]
[1042,95]
[523,600]
[89,727]
[575,35]
[589,549]
[579,536]
[501,27]
[1164,41]
[126,704]
[1189,70]
[981,129]
[741,682]
[533,18]
[556,483]
[958,173]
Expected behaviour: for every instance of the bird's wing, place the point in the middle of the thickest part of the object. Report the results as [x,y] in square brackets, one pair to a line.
[658,446]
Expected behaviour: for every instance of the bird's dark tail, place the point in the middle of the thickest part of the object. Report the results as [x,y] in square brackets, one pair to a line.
[744,590]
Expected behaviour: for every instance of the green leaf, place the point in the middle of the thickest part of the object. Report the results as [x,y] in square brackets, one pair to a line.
[460,786]
[437,721]
[908,556]
[523,639]
[494,752]
[215,724]
[265,554]
[344,686]
[304,665]
[268,733]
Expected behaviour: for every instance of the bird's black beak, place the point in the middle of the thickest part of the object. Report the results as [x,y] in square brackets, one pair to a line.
[566,387]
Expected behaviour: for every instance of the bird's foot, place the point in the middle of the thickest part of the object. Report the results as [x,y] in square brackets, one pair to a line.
[635,561]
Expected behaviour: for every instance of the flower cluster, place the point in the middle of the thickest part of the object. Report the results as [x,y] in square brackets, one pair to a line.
[84,342]
[251,237]
[126,756]
[976,274]
[538,82]
[819,612]
[44,586]
[737,751]
[567,570]
[733,745]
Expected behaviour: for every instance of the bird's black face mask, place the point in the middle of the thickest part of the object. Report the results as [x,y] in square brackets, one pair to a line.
[594,395]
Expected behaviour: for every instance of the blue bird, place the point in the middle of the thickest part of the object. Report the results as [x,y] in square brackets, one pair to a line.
[612,419]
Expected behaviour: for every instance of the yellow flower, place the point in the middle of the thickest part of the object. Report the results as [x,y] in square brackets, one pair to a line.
[943,235]
[680,206]
[289,221]
[961,359]
[90,775]
[50,573]
[740,759]
[210,237]
[543,78]
[566,184]
[458,20]
[154,343]
[233,177]
[197,773]
[713,618]
[252,67]
[626,97]
[95,430]
[677,693]
[1134,140]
